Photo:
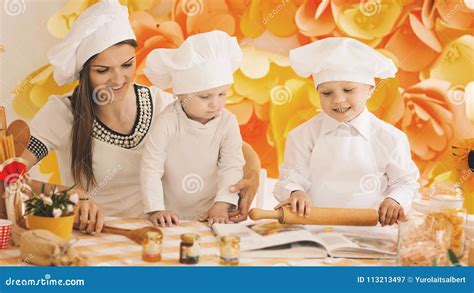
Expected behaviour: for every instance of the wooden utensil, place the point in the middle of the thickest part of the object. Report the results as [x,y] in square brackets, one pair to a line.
[21,135]
[137,235]
[320,216]
[3,122]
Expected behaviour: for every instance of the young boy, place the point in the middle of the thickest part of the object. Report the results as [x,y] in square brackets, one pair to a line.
[346,157]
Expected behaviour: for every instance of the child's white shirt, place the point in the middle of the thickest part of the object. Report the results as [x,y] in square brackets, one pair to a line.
[187,166]
[391,150]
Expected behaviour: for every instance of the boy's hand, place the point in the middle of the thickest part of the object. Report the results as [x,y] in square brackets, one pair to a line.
[217,214]
[163,218]
[300,203]
[390,212]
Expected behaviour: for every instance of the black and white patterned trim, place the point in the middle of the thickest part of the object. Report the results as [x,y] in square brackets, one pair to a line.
[37,148]
[144,114]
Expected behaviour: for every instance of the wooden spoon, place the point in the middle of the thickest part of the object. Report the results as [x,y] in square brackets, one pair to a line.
[137,235]
[21,135]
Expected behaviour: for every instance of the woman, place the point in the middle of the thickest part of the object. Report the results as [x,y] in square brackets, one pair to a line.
[99,131]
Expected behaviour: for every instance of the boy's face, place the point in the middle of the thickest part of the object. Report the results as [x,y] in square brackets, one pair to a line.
[344,100]
[203,106]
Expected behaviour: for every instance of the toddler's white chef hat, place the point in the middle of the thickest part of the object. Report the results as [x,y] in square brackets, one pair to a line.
[204,61]
[341,59]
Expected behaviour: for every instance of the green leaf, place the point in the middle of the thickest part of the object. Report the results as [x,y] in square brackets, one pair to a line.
[454,258]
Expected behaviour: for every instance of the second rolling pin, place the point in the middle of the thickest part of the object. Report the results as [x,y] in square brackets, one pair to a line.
[320,216]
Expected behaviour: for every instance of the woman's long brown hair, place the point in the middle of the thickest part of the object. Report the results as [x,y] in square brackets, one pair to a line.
[83,110]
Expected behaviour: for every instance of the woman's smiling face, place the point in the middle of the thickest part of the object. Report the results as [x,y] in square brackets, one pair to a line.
[114,70]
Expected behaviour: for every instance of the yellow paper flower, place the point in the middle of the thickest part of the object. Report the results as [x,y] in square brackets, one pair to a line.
[469,99]
[386,102]
[456,62]
[293,103]
[259,72]
[33,92]
[278,16]
[49,166]
[458,167]
[367,20]
[256,62]
[60,23]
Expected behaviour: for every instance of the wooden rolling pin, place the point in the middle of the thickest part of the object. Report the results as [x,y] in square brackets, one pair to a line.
[320,216]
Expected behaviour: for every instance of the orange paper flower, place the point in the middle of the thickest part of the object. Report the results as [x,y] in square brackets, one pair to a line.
[414,45]
[314,18]
[199,16]
[151,36]
[431,121]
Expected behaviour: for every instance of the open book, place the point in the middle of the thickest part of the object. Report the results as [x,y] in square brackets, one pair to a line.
[271,239]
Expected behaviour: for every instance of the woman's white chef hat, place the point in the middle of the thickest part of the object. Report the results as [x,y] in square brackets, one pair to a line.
[99,27]
[204,61]
[341,59]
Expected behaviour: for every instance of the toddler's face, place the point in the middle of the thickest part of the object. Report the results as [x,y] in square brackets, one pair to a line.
[203,106]
[344,100]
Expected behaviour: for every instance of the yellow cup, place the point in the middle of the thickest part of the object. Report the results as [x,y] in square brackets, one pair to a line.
[61,226]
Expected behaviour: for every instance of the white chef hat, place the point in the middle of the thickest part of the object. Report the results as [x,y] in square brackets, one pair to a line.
[99,27]
[341,59]
[204,61]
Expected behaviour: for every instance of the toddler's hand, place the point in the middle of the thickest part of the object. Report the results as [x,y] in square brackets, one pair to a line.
[217,214]
[300,203]
[163,218]
[390,212]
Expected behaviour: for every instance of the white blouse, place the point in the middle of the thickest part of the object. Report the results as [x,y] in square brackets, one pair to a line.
[116,157]
[187,166]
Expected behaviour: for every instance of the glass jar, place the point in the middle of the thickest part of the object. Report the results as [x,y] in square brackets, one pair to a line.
[189,249]
[152,247]
[421,245]
[447,212]
[230,250]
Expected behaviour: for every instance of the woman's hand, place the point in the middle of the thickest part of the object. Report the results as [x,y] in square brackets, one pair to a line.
[89,217]
[247,189]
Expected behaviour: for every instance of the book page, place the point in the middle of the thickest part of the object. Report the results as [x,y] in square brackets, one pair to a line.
[264,234]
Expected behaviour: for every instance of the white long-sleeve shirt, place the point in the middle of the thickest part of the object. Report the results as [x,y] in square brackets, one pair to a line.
[188,166]
[390,146]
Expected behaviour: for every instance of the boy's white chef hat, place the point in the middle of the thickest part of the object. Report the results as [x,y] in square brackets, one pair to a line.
[341,59]
[99,27]
[204,61]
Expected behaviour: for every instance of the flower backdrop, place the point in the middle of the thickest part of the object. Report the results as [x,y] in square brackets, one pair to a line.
[431,42]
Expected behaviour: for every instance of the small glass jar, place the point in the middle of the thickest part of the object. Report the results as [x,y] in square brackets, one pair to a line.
[447,212]
[470,259]
[152,247]
[421,245]
[230,250]
[189,249]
